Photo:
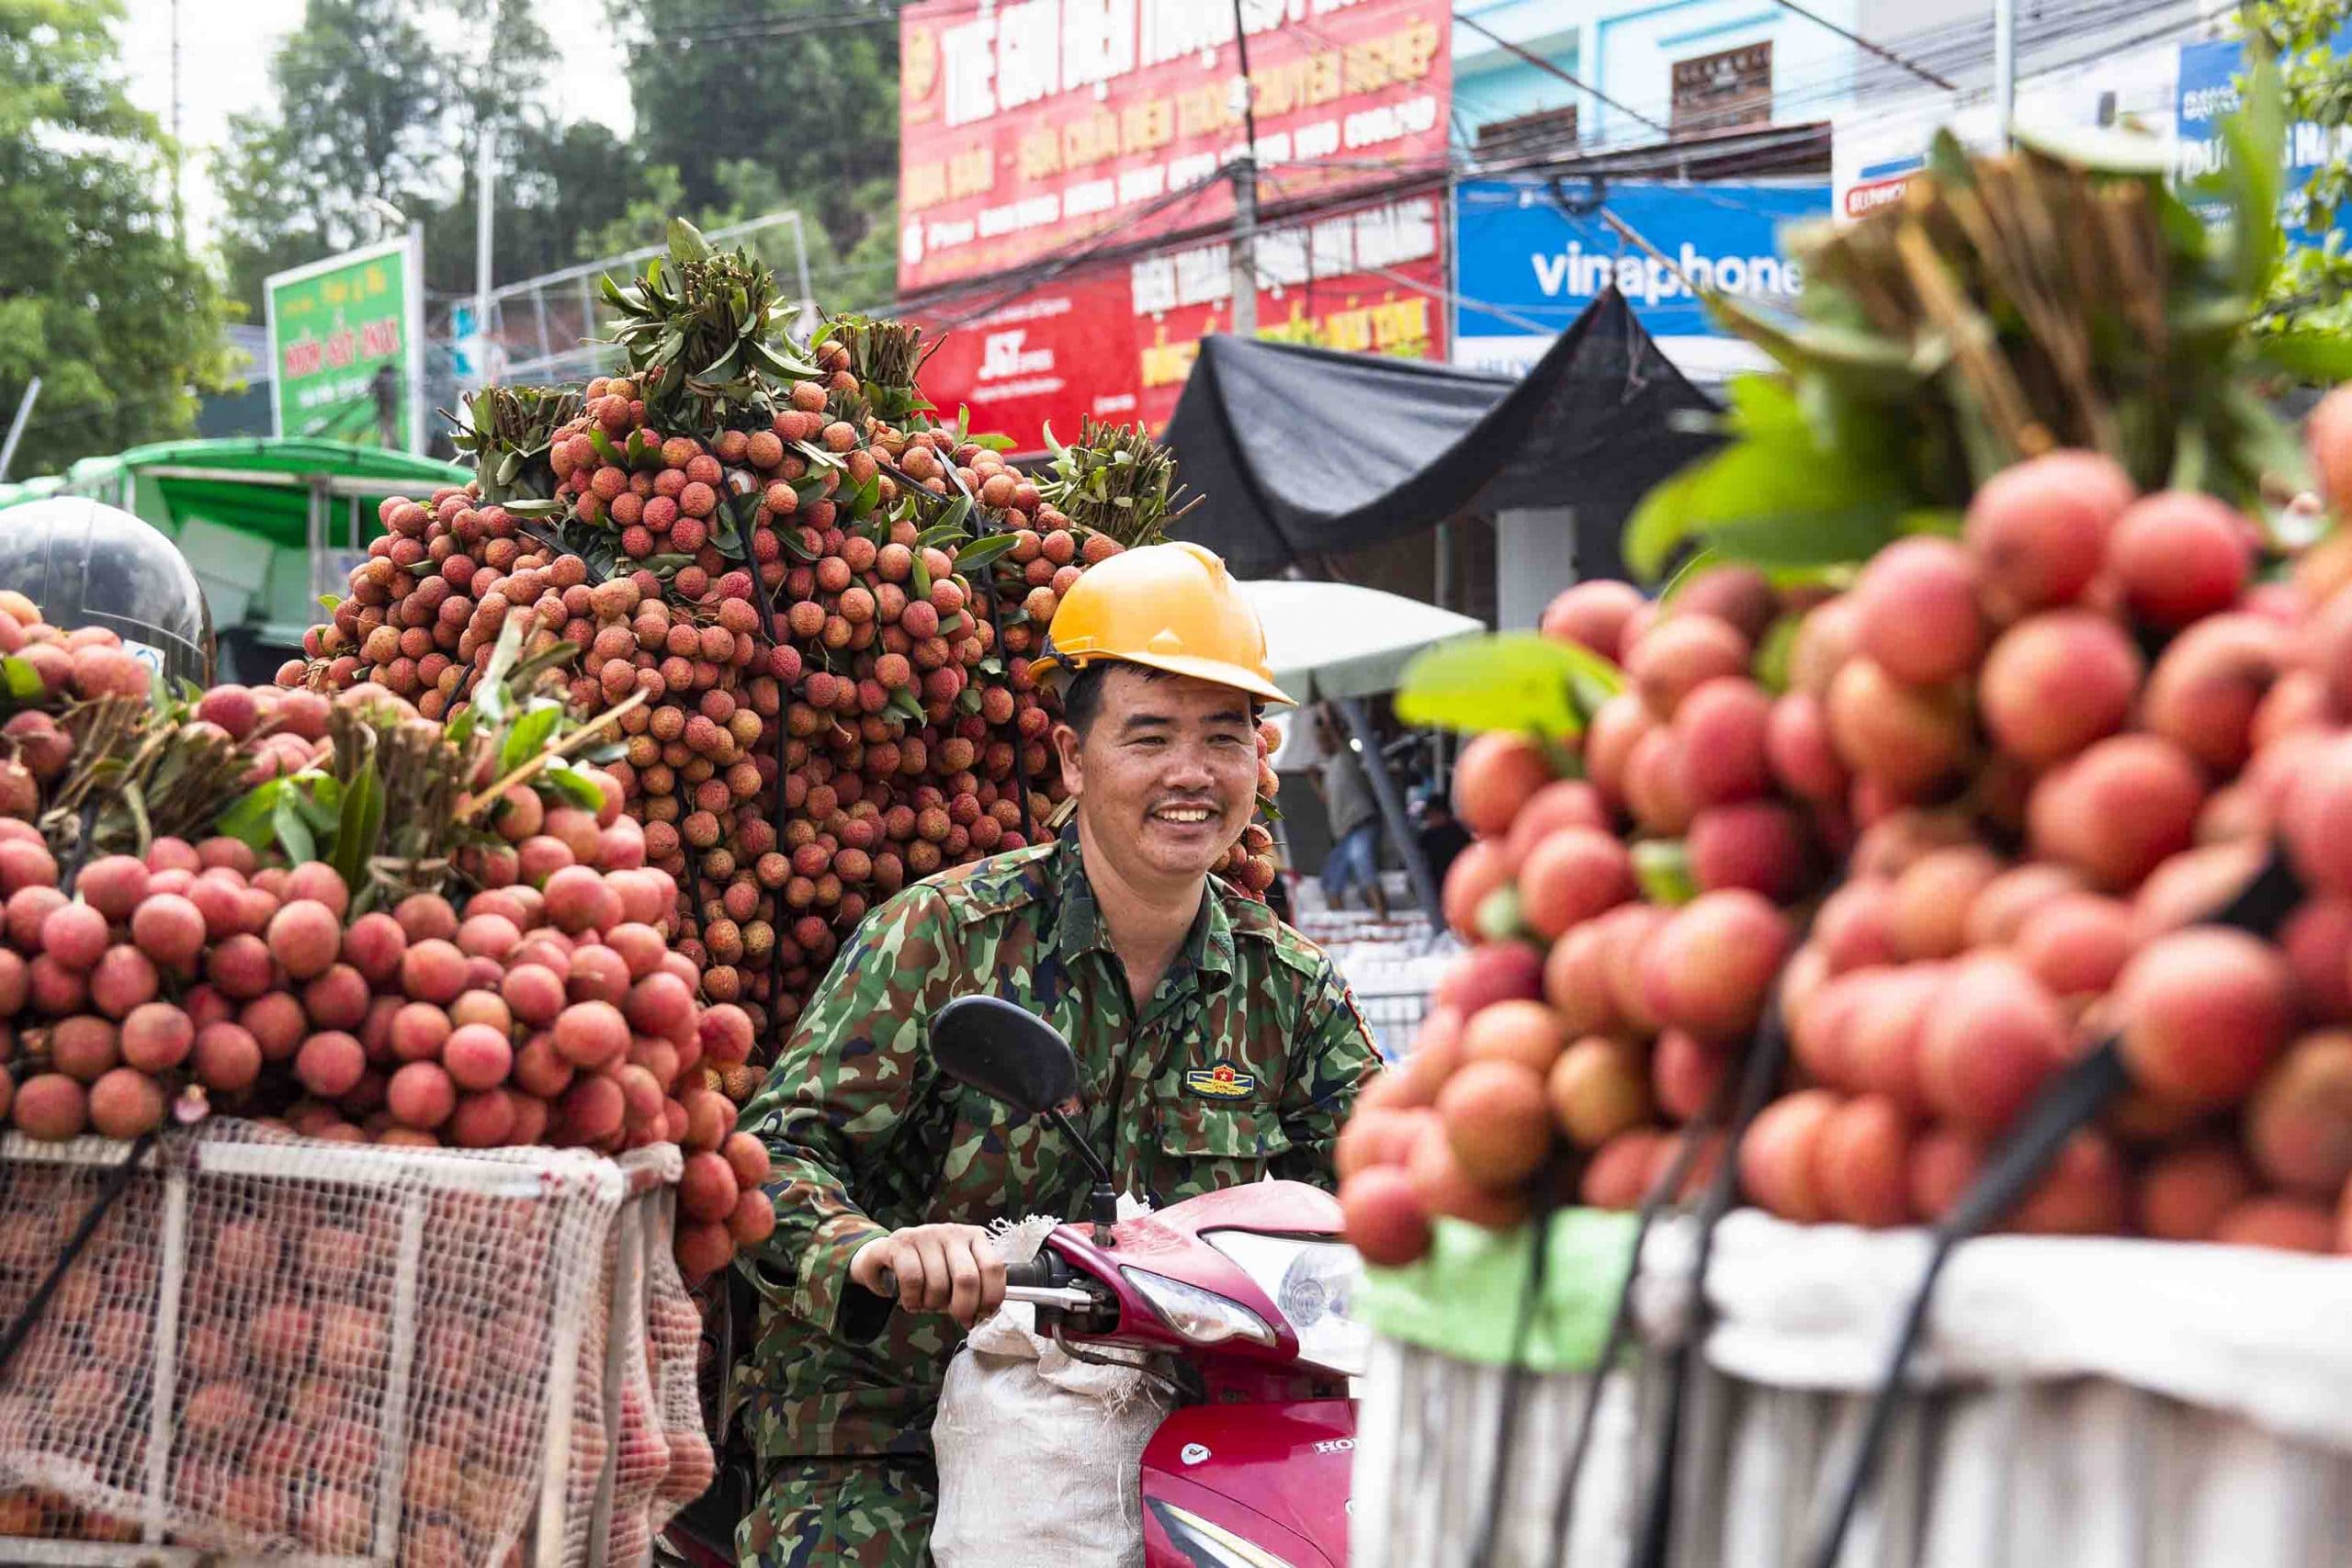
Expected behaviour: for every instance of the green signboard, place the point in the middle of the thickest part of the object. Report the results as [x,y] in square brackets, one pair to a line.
[347,346]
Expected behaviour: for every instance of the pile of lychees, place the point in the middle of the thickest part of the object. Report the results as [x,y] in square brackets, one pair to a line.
[529,995]
[822,603]
[1983,822]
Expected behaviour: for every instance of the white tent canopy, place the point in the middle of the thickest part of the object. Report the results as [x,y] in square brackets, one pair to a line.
[1334,639]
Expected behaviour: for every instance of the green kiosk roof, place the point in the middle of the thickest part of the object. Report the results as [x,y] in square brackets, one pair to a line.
[257,486]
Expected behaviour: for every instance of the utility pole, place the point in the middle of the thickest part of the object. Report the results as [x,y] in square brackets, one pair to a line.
[17,426]
[179,210]
[485,182]
[2005,65]
[1245,199]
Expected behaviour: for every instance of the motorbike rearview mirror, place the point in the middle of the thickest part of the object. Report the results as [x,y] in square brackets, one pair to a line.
[1010,1055]
[1018,1059]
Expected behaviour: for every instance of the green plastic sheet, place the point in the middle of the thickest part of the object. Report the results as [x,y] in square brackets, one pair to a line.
[1466,1297]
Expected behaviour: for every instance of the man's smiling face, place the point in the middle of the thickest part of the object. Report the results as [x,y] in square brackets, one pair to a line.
[1166,774]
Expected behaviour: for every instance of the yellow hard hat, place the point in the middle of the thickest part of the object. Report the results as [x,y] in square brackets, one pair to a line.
[1173,607]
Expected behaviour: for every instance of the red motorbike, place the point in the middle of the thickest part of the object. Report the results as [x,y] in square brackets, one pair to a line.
[1238,1298]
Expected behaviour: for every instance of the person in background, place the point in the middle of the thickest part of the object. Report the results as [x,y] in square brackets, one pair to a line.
[1347,800]
[1442,836]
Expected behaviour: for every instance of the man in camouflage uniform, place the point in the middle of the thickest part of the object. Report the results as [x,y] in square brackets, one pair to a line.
[1216,1045]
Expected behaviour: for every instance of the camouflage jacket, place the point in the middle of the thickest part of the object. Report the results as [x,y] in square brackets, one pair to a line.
[1242,1064]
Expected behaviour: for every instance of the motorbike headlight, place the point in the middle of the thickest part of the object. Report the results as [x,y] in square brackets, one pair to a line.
[1202,1316]
[1313,1283]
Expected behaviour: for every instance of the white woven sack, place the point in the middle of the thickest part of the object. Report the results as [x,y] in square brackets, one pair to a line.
[1039,1454]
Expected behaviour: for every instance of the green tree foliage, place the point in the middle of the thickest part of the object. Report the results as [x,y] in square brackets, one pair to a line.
[804,89]
[363,112]
[367,105]
[2313,289]
[98,296]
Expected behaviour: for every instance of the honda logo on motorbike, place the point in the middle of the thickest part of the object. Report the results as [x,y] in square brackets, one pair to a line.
[1193,1453]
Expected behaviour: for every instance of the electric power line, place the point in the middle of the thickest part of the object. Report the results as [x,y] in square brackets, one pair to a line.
[1860,41]
[1552,68]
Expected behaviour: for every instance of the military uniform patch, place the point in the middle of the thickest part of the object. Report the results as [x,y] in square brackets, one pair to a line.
[1224,1081]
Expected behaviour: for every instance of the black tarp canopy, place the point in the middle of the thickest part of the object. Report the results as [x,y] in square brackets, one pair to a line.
[1306,451]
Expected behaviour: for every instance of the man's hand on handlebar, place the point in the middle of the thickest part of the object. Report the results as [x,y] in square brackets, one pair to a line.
[949,1268]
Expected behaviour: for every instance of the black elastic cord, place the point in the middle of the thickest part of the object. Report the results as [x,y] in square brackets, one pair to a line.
[1515,1373]
[2064,1106]
[1664,1194]
[118,1182]
[86,829]
[1767,1055]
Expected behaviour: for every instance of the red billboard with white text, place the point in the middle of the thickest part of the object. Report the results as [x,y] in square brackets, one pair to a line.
[1116,342]
[1036,129]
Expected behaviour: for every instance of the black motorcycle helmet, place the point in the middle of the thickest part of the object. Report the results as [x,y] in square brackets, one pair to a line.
[87,564]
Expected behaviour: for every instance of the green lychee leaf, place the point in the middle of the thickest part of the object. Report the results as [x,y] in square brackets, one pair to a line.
[290,832]
[502,655]
[573,786]
[24,682]
[977,554]
[686,242]
[864,498]
[562,653]
[359,829]
[2255,180]
[785,367]
[1499,918]
[1516,680]
[1662,867]
[529,737]
[1771,662]
[248,816]
[1773,499]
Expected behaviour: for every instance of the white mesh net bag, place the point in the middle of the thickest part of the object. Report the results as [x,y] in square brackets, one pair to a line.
[276,1344]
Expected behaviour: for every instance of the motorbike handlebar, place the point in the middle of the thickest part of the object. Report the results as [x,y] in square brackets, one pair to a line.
[1038,1273]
